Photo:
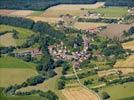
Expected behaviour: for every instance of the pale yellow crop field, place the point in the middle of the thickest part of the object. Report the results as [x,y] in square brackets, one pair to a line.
[78,93]
[88,25]
[18,13]
[7,40]
[13,76]
[44,19]
[73,9]
[128,45]
[127,63]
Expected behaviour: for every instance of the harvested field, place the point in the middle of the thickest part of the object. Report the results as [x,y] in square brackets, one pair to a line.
[78,93]
[10,76]
[7,40]
[128,45]
[126,70]
[23,34]
[73,9]
[127,63]
[6,12]
[107,72]
[88,25]
[44,19]
[18,13]
[115,30]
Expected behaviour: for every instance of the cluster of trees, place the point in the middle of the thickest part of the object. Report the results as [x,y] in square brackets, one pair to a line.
[129,18]
[61,83]
[86,74]
[44,4]
[17,21]
[15,34]
[122,80]
[11,90]
[74,43]
[103,20]
[35,80]
[130,32]
[5,50]
[108,47]
[87,82]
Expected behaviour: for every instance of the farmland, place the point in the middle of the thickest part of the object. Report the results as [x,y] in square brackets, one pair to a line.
[18,76]
[112,12]
[88,25]
[5,37]
[127,63]
[120,91]
[18,13]
[78,93]
[74,51]
[12,62]
[115,30]
[22,36]
[71,9]
[13,67]
[128,45]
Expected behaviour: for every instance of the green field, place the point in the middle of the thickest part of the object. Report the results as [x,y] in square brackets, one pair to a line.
[112,11]
[117,92]
[23,33]
[12,62]
[2,97]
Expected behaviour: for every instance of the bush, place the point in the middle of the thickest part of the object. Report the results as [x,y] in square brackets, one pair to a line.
[35,80]
[61,84]
[105,95]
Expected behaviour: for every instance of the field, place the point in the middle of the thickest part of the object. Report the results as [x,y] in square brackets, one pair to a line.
[7,40]
[23,34]
[112,12]
[18,13]
[128,45]
[126,66]
[16,69]
[88,25]
[127,63]
[115,30]
[49,84]
[15,76]
[72,9]
[33,97]
[78,93]
[117,92]
[12,62]
[44,19]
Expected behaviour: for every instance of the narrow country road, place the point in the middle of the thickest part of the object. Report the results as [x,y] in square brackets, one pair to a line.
[78,80]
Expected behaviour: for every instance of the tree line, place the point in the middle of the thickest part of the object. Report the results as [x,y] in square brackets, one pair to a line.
[44,4]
